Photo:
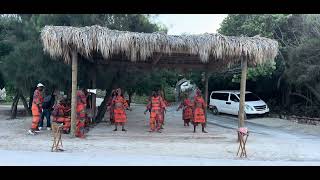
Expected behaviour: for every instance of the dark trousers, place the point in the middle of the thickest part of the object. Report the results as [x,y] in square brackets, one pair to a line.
[45,113]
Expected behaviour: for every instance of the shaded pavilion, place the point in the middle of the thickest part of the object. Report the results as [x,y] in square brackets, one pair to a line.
[104,47]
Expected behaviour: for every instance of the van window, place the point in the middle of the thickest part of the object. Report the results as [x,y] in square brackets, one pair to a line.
[251,97]
[220,96]
[234,98]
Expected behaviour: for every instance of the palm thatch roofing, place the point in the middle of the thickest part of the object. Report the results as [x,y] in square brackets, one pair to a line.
[91,42]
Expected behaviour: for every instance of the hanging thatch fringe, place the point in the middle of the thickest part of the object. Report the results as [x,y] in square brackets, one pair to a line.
[59,40]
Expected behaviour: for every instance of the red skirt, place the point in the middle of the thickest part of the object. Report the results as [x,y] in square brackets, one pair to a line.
[120,116]
[187,113]
[199,116]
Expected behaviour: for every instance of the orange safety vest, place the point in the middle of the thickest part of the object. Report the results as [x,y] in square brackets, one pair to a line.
[37,100]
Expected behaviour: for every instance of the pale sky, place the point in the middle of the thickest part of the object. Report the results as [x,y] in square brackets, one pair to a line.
[178,24]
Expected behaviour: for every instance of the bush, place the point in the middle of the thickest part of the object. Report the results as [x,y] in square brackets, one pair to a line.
[139,99]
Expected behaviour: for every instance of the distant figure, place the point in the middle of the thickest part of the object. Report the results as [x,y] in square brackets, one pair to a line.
[47,106]
[199,107]
[187,113]
[119,105]
[155,106]
[36,109]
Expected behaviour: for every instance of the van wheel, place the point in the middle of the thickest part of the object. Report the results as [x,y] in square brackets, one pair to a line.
[215,111]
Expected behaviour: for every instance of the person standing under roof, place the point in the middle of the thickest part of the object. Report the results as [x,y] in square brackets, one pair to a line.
[119,105]
[47,106]
[199,107]
[187,113]
[156,106]
[36,109]
[81,112]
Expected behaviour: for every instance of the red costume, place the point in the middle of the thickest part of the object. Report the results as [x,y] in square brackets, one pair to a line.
[36,109]
[187,109]
[61,114]
[156,107]
[81,113]
[119,105]
[199,109]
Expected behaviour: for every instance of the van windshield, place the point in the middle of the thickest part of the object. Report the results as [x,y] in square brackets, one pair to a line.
[251,97]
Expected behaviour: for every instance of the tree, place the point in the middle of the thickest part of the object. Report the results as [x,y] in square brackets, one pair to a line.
[25,64]
[295,66]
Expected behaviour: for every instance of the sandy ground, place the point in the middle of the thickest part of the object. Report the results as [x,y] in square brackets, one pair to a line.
[271,142]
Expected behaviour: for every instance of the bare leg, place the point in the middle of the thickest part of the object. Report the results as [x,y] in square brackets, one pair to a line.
[203,125]
[123,129]
[116,127]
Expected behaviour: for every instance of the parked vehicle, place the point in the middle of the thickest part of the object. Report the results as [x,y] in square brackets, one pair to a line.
[227,102]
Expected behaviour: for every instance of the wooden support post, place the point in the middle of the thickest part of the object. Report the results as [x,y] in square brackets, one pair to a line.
[93,86]
[242,91]
[206,81]
[74,92]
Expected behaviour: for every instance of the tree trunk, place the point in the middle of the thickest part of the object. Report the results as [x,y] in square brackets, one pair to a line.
[103,107]
[31,97]
[93,76]
[206,84]
[25,104]
[302,96]
[14,106]
[242,91]
[130,97]
[314,92]
[287,96]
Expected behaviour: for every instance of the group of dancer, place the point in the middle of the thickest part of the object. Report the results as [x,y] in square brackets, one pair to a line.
[61,112]
[193,111]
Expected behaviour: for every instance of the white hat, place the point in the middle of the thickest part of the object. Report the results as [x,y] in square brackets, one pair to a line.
[40,85]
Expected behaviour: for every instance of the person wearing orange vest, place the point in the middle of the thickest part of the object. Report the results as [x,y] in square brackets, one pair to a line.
[36,109]
[81,112]
[61,114]
[187,113]
[119,105]
[199,107]
[155,106]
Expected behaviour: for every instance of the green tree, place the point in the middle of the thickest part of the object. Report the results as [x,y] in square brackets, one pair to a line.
[25,64]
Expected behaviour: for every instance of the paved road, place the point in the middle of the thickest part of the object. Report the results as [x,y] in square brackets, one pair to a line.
[231,122]
[26,158]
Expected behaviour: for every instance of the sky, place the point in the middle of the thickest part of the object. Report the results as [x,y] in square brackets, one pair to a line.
[178,24]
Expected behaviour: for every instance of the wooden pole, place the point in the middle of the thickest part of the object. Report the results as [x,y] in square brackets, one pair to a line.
[206,81]
[74,92]
[94,79]
[242,91]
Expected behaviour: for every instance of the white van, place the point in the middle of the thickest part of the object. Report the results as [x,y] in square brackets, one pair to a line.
[228,102]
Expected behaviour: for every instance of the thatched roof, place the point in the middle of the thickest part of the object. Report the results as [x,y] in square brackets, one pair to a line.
[59,41]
